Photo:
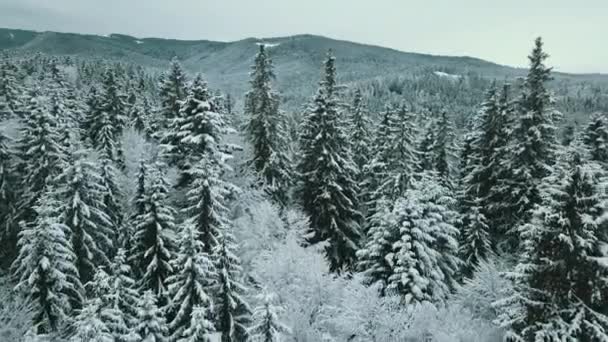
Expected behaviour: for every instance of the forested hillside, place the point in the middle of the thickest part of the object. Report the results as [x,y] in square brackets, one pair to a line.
[395,197]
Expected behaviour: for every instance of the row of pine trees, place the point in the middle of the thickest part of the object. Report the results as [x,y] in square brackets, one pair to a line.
[403,201]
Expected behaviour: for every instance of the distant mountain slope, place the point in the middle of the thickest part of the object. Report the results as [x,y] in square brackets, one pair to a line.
[297,59]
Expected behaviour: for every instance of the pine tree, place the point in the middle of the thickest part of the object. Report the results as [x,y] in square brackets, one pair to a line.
[195,133]
[444,150]
[8,197]
[172,91]
[82,192]
[559,276]
[10,90]
[200,328]
[151,327]
[327,185]
[112,198]
[267,327]
[153,240]
[189,286]
[532,146]
[424,255]
[361,136]
[40,156]
[206,209]
[265,129]
[233,313]
[596,137]
[123,293]
[45,267]
[89,327]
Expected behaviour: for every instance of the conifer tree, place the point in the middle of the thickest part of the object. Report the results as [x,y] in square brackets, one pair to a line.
[232,311]
[361,135]
[153,240]
[45,267]
[123,292]
[265,129]
[267,327]
[10,90]
[189,285]
[443,150]
[200,328]
[173,90]
[596,137]
[152,326]
[532,146]
[206,209]
[88,327]
[81,190]
[559,276]
[39,154]
[111,198]
[8,192]
[425,253]
[327,185]
[195,133]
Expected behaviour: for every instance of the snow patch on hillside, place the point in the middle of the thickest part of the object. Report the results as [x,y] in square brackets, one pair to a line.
[446,75]
[138,42]
[11,36]
[268,45]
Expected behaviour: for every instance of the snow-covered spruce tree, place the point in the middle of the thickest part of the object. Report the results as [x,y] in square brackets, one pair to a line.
[206,209]
[190,283]
[532,146]
[425,254]
[360,133]
[200,329]
[111,198]
[267,327]
[140,116]
[39,156]
[560,275]
[172,91]
[88,326]
[232,311]
[110,121]
[151,326]
[595,137]
[123,293]
[265,130]
[8,192]
[10,89]
[327,187]
[196,132]
[89,119]
[153,246]
[81,193]
[45,267]
[443,150]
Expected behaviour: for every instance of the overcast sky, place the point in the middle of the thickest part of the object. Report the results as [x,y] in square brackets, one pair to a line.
[575,32]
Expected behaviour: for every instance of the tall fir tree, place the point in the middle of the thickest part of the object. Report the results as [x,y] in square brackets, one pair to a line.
[8,199]
[232,310]
[45,267]
[200,328]
[152,326]
[532,145]
[559,279]
[80,188]
[265,130]
[197,132]
[88,326]
[11,91]
[172,91]
[595,137]
[190,284]
[153,246]
[327,186]
[267,327]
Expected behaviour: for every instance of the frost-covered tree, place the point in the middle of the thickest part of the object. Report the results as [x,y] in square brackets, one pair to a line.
[265,129]
[10,89]
[327,186]
[595,137]
[81,191]
[560,276]
[153,246]
[8,198]
[151,326]
[172,90]
[206,209]
[111,197]
[425,253]
[200,328]
[532,146]
[39,153]
[45,267]
[360,132]
[123,292]
[443,149]
[196,132]
[267,327]
[189,286]
[88,327]
[232,310]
